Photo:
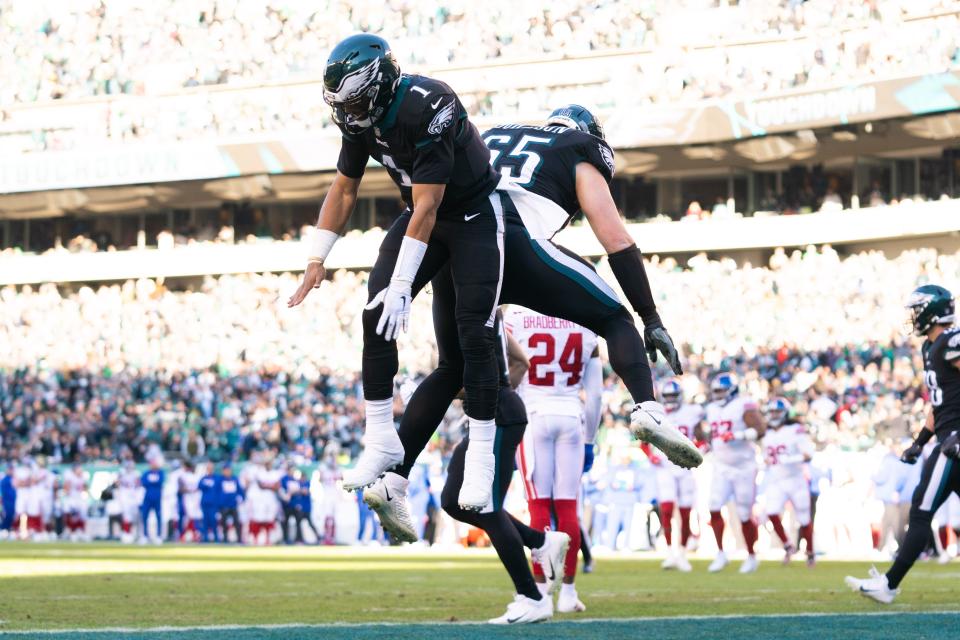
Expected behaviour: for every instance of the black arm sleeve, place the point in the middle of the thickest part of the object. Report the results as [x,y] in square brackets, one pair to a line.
[353,158]
[628,269]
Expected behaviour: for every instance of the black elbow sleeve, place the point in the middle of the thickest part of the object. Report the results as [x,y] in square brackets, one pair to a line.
[628,269]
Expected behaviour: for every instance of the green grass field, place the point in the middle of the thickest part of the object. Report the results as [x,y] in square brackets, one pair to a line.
[81,588]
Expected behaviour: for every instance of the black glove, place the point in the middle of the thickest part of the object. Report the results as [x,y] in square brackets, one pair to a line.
[912,453]
[950,446]
[657,339]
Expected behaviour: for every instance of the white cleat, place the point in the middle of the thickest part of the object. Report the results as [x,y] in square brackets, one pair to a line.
[550,557]
[943,558]
[569,602]
[523,610]
[377,457]
[670,562]
[788,551]
[388,498]
[719,563]
[750,564]
[476,492]
[649,423]
[875,587]
[683,565]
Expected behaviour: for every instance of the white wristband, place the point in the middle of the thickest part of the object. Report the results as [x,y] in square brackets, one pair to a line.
[321,242]
[408,260]
[750,434]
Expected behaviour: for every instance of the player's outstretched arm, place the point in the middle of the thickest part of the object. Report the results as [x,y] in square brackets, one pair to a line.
[335,211]
[517,361]
[625,258]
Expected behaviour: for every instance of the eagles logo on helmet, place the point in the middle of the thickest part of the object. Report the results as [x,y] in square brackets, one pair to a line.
[930,305]
[359,81]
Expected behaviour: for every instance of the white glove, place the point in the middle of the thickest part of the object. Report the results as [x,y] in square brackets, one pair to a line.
[395,316]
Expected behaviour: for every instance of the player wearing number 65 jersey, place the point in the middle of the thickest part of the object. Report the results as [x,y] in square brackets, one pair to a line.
[932,316]
[564,363]
[735,427]
[786,447]
[676,486]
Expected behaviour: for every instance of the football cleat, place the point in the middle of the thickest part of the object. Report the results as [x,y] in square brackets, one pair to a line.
[943,558]
[378,456]
[649,423]
[875,587]
[524,610]
[750,564]
[788,551]
[388,498]
[719,563]
[811,561]
[588,566]
[569,602]
[476,492]
[683,565]
[550,557]
[670,562]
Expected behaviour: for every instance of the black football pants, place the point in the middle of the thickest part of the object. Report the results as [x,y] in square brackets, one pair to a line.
[473,246]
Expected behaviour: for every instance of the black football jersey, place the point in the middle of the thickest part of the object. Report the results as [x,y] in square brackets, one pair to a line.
[543,160]
[943,380]
[425,138]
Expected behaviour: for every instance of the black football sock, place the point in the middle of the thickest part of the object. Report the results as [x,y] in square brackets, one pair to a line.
[506,539]
[425,411]
[532,539]
[585,546]
[916,540]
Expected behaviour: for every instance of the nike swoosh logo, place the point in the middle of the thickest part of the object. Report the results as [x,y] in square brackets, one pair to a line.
[552,574]
[434,105]
[513,620]
[654,419]
[469,218]
[387,491]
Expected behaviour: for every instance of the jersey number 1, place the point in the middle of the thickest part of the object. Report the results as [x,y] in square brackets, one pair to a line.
[571,358]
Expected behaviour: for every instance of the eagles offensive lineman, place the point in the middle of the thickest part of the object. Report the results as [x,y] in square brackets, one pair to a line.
[551,173]
[417,128]
[932,316]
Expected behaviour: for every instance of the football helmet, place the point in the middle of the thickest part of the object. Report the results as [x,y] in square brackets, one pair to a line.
[576,117]
[778,410]
[929,305]
[672,394]
[360,81]
[724,387]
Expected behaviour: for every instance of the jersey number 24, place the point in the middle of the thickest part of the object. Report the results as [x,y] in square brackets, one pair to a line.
[570,362]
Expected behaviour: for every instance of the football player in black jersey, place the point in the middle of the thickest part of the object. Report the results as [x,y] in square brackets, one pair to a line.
[555,171]
[932,316]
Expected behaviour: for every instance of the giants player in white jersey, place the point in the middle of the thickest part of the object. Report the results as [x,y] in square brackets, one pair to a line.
[75,502]
[128,489]
[735,426]
[189,488]
[786,447]
[676,486]
[564,363]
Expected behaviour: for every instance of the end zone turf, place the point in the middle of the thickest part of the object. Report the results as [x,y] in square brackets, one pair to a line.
[89,587]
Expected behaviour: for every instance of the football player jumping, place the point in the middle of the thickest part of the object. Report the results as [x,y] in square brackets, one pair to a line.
[566,169]
[932,317]
[735,426]
[676,486]
[418,130]
[786,447]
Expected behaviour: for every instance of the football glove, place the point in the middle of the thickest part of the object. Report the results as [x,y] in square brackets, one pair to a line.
[656,338]
[587,457]
[950,446]
[912,453]
[395,316]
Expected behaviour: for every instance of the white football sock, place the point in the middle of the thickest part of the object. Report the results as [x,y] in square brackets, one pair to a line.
[568,590]
[482,433]
[379,417]
[542,587]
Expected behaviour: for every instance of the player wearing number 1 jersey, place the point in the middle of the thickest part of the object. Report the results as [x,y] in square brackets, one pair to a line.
[932,311]
[735,426]
[786,447]
[676,486]
[564,364]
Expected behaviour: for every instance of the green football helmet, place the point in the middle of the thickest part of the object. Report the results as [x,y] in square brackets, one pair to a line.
[576,117]
[360,81]
[930,305]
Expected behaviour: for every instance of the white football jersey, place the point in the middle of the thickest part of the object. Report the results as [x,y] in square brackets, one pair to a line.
[559,351]
[790,440]
[726,420]
[129,480]
[74,484]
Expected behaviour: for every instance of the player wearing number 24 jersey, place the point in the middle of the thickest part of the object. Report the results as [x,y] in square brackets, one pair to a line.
[735,426]
[564,363]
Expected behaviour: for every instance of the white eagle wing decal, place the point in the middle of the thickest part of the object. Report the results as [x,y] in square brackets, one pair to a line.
[353,84]
[607,156]
[443,118]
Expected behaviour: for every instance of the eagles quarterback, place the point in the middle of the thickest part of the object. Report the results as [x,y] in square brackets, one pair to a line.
[418,130]
[932,316]
[551,173]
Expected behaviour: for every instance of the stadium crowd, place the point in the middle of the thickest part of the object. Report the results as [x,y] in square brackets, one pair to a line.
[226,374]
[63,51]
